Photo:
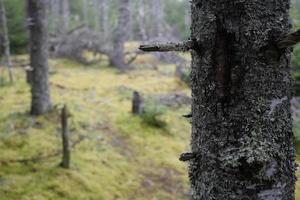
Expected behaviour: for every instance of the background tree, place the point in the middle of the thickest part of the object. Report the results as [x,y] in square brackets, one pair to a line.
[37,17]
[117,54]
[5,41]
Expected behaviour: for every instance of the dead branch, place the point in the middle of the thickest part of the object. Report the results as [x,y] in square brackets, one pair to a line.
[183,46]
[289,40]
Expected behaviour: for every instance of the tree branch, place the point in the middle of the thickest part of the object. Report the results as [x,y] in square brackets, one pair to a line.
[183,46]
[289,40]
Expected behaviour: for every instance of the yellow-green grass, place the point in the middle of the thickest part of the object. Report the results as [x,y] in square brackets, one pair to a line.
[120,158]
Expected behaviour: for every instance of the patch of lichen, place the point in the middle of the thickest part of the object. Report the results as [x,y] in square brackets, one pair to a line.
[120,157]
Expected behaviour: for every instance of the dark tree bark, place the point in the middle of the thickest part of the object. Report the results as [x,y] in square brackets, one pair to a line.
[117,57]
[65,138]
[242,139]
[6,43]
[137,103]
[40,101]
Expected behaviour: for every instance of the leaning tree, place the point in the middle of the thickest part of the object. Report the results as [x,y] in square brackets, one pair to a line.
[242,139]
[38,77]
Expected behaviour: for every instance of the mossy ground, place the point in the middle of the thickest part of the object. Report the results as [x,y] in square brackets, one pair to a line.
[120,158]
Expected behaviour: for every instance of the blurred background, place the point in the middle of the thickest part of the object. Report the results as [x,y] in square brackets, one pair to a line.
[124,106]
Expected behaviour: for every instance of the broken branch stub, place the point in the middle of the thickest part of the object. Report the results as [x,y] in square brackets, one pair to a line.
[183,46]
[289,40]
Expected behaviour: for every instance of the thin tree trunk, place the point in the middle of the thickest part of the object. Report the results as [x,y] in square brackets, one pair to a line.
[85,11]
[40,101]
[6,43]
[65,14]
[65,138]
[55,16]
[103,7]
[117,55]
[157,9]
[142,12]
[242,139]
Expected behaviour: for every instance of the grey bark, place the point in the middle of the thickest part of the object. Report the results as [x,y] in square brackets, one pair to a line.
[242,139]
[142,14]
[137,103]
[157,8]
[6,43]
[65,14]
[103,7]
[117,57]
[65,138]
[55,15]
[40,100]
[85,11]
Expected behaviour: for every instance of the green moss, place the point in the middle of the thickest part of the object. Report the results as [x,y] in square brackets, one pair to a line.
[120,158]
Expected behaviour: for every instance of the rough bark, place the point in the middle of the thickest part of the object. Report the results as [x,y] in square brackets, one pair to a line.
[6,43]
[117,57]
[40,101]
[242,139]
[183,46]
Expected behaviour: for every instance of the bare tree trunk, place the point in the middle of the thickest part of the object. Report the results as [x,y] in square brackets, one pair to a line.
[103,7]
[96,14]
[65,138]
[85,11]
[40,101]
[157,9]
[6,44]
[142,14]
[65,14]
[117,55]
[55,15]
[242,139]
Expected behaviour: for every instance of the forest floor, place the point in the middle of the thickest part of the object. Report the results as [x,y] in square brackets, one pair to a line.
[120,156]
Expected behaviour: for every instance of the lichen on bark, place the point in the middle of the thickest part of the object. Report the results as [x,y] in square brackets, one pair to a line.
[244,145]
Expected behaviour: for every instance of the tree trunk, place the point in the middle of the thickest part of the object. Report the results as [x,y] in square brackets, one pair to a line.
[40,102]
[6,44]
[157,8]
[85,12]
[65,14]
[55,15]
[137,103]
[65,138]
[242,139]
[117,55]
[142,13]
[103,7]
